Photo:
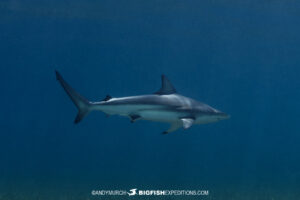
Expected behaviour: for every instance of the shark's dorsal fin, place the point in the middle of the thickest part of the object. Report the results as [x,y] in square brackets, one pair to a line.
[166,86]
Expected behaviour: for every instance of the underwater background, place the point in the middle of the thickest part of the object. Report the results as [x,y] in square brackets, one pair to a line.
[241,57]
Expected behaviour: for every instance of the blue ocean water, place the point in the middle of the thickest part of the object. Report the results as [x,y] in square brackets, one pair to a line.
[239,57]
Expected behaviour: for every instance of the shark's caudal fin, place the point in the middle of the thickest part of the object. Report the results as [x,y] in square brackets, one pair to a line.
[83,105]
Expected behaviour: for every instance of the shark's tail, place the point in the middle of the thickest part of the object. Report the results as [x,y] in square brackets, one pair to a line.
[83,105]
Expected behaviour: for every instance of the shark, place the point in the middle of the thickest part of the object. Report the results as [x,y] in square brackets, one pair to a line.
[165,105]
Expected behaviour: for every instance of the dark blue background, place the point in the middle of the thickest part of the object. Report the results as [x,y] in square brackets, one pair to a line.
[239,57]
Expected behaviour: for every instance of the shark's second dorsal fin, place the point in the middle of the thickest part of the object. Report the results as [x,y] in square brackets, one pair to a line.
[166,86]
[108,97]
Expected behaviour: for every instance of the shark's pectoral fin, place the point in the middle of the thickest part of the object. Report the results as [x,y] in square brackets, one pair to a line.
[187,122]
[134,117]
[174,126]
[184,122]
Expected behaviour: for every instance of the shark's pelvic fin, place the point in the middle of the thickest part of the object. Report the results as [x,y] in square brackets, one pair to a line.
[83,105]
[187,122]
[134,117]
[166,86]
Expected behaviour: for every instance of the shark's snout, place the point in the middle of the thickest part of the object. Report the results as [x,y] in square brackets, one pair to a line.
[226,116]
[222,115]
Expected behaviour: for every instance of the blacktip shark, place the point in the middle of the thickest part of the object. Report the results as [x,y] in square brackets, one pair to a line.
[165,105]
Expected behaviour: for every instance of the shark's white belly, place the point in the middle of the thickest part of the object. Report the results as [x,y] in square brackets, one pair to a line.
[159,115]
[205,119]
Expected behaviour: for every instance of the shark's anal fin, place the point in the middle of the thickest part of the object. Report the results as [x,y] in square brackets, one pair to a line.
[166,87]
[134,117]
[174,126]
[187,122]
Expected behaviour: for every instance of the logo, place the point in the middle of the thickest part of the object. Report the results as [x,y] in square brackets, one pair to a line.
[159,192]
[132,192]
